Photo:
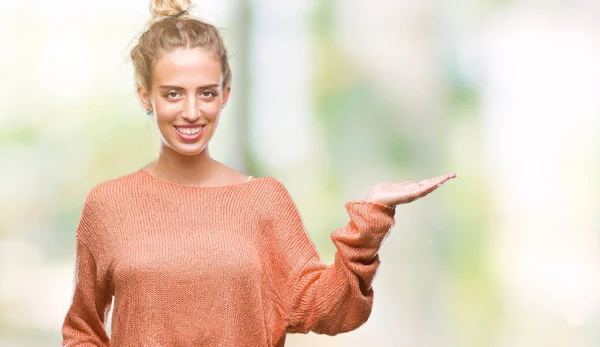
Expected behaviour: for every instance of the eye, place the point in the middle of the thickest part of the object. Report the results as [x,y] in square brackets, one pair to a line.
[208,94]
[172,95]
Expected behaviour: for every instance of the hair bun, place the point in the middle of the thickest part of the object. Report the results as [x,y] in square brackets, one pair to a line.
[163,8]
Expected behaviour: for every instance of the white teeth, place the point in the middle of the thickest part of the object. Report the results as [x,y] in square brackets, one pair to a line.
[189,131]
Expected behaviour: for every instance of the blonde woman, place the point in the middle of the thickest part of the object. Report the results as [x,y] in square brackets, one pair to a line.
[198,254]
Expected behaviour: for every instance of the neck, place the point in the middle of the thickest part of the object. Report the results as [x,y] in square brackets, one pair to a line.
[184,169]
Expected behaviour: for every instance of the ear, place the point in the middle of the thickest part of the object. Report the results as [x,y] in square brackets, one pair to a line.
[226,93]
[144,97]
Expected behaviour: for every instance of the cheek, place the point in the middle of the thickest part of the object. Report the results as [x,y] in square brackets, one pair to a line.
[167,111]
[210,110]
[165,108]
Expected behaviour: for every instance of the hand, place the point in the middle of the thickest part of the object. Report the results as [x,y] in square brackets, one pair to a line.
[392,194]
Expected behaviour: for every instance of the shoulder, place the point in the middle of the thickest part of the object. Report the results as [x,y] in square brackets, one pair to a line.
[273,190]
[101,201]
[111,191]
[275,199]
[112,188]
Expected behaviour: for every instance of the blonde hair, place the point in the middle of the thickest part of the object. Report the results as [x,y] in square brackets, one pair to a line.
[171,28]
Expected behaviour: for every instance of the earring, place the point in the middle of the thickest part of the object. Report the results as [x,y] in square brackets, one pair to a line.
[149,112]
[223,106]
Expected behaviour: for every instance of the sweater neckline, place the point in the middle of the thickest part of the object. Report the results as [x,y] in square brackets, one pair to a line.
[151,177]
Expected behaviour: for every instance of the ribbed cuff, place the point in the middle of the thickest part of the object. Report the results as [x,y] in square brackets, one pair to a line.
[371,216]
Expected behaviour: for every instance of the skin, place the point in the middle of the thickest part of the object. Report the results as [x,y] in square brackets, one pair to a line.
[392,193]
[196,95]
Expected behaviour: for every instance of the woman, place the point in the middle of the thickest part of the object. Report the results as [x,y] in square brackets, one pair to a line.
[198,254]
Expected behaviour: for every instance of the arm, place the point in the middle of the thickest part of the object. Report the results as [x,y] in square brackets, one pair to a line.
[336,298]
[84,323]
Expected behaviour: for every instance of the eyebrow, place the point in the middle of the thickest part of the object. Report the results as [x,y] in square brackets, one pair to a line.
[180,88]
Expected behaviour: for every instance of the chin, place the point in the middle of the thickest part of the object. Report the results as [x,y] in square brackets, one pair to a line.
[188,149]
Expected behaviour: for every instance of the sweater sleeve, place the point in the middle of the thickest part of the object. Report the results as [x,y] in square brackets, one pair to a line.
[84,323]
[336,298]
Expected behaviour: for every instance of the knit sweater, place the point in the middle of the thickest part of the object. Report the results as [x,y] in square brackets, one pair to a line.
[214,266]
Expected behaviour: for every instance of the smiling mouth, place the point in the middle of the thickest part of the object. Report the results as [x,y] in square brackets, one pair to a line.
[189,131]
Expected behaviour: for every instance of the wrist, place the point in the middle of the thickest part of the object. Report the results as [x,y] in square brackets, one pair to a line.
[375,201]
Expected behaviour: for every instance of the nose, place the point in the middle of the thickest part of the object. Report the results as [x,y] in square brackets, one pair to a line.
[191,111]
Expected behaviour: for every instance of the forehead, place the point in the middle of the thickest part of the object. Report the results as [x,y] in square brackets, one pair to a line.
[187,67]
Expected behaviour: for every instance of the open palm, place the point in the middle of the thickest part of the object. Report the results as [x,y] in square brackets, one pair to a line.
[392,193]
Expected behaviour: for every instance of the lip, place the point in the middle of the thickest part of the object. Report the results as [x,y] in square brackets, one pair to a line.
[190,125]
[190,138]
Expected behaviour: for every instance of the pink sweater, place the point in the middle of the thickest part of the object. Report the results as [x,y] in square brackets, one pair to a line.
[214,266]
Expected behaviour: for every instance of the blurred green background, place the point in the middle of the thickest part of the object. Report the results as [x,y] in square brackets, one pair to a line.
[332,97]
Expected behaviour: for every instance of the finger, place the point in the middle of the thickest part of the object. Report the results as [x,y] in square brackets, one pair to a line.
[418,194]
[429,185]
[437,180]
[428,189]
[421,192]
[435,183]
